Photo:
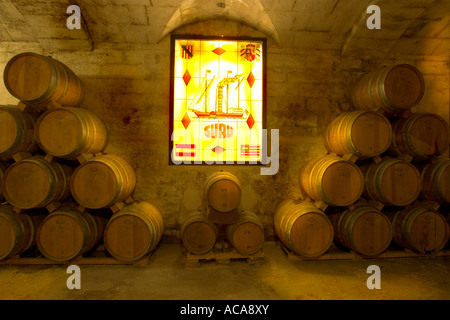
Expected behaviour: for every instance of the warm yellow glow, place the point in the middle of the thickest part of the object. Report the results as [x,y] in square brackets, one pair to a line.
[218,107]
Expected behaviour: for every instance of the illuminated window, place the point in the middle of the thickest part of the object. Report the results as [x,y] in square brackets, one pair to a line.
[217,100]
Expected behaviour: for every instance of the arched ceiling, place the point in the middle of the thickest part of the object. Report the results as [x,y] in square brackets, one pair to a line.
[408,27]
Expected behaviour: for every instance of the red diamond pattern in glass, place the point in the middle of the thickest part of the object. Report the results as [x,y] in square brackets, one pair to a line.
[219,51]
[187,77]
[186,121]
[250,121]
[251,79]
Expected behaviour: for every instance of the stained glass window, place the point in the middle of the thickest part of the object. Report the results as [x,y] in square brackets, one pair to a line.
[217,100]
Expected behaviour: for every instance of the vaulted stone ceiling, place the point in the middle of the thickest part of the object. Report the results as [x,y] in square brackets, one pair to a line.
[408,27]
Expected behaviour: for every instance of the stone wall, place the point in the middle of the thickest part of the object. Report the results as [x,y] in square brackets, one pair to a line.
[127,85]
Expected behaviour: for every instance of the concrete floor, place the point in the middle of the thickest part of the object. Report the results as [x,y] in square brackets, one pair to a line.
[166,278]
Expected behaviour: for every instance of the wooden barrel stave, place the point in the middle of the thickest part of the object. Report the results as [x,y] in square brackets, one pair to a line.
[332,179]
[134,231]
[103,181]
[436,181]
[38,80]
[35,183]
[69,132]
[303,228]
[247,234]
[198,234]
[16,131]
[223,191]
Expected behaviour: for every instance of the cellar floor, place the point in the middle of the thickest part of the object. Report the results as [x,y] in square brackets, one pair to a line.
[167,278]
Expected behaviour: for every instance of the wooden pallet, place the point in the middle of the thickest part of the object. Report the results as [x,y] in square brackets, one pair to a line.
[223,253]
[97,257]
[334,253]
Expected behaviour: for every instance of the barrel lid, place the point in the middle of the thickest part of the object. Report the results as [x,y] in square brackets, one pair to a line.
[429,134]
[28,76]
[127,237]
[428,231]
[248,237]
[400,183]
[342,183]
[60,237]
[94,185]
[7,237]
[59,132]
[404,86]
[27,184]
[9,131]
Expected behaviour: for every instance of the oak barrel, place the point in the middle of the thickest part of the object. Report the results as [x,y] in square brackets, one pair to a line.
[35,183]
[102,181]
[394,89]
[37,80]
[303,228]
[198,233]
[363,133]
[17,231]
[422,136]
[69,132]
[332,179]
[436,181]
[16,131]
[393,182]
[134,231]
[69,232]
[223,191]
[247,234]
[420,228]
[363,229]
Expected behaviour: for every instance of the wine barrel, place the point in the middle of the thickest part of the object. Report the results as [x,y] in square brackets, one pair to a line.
[17,231]
[134,231]
[69,132]
[223,191]
[394,89]
[3,167]
[37,80]
[393,182]
[198,234]
[363,133]
[303,228]
[422,136]
[436,182]
[102,181]
[364,230]
[420,228]
[333,180]
[16,131]
[247,234]
[68,233]
[35,183]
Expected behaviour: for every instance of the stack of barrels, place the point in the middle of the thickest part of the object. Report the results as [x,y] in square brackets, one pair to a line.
[381,157]
[55,169]
[222,219]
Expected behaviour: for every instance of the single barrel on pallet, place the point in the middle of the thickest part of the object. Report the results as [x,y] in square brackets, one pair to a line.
[422,136]
[363,133]
[16,131]
[393,182]
[362,229]
[134,231]
[223,191]
[102,181]
[35,183]
[17,231]
[247,234]
[420,228]
[436,181]
[198,233]
[69,232]
[69,132]
[303,228]
[37,80]
[393,89]
[332,179]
